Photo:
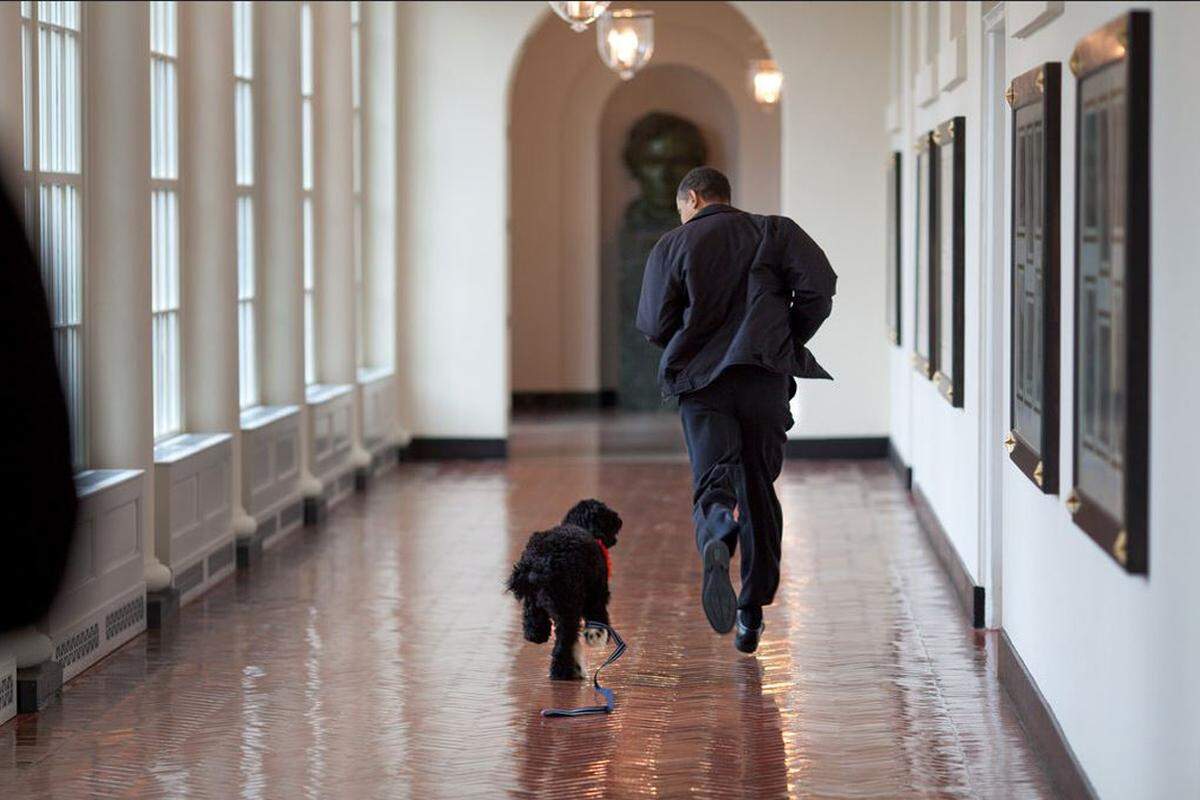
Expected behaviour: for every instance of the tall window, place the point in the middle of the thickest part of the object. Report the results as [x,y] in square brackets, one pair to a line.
[243,99]
[357,144]
[164,216]
[51,51]
[306,172]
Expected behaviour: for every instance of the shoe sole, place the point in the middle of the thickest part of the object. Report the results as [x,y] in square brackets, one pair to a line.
[720,603]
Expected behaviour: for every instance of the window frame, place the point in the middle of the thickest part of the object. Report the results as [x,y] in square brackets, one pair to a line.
[308,184]
[249,375]
[32,177]
[165,428]
[356,145]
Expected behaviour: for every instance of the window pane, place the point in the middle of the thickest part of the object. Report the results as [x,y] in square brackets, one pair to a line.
[357,155]
[306,49]
[306,145]
[243,38]
[27,95]
[53,197]
[310,340]
[247,375]
[244,132]
[164,18]
[309,279]
[355,68]
[309,272]
[245,249]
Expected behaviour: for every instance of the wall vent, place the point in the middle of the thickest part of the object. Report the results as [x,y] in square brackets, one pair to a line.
[125,616]
[78,645]
[220,559]
[190,578]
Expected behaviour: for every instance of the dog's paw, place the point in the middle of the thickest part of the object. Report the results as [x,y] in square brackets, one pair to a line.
[566,672]
[595,637]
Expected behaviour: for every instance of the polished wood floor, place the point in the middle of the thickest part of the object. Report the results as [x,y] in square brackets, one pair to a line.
[376,657]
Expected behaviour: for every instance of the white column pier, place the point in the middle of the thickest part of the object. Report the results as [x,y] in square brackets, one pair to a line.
[209,226]
[281,304]
[118,358]
[336,314]
[379,183]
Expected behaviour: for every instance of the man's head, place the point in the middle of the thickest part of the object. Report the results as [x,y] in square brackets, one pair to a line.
[701,187]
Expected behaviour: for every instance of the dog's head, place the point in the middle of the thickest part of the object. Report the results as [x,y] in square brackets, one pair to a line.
[595,518]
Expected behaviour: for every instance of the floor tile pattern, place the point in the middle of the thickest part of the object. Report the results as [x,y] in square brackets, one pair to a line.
[376,657]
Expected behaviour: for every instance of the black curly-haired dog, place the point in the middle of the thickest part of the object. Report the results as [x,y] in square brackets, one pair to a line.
[563,576]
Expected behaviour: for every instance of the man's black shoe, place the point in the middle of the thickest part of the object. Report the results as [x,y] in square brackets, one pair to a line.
[747,637]
[716,593]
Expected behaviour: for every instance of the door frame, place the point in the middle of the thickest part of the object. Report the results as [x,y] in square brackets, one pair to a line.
[993,296]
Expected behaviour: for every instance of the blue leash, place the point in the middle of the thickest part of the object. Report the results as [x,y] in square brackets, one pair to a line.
[610,701]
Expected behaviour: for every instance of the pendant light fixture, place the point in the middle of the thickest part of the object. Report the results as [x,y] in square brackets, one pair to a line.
[766,81]
[625,39]
[578,13]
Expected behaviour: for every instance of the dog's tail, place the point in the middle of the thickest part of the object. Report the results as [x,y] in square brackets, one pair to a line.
[523,582]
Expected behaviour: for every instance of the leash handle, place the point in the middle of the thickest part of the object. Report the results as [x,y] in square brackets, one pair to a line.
[610,700]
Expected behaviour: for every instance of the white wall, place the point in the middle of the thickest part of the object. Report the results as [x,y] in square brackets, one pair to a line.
[834,61]
[1113,654]
[940,441]
[455,60]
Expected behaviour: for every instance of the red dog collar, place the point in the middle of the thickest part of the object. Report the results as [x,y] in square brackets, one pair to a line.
[607,558]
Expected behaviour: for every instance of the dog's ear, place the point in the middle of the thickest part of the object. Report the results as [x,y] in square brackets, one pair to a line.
[595,518]
[609,524]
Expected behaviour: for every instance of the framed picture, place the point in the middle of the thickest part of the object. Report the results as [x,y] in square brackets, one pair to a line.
[893,249]
[1111,411]
[1032,443]
[948,266]
[924,351]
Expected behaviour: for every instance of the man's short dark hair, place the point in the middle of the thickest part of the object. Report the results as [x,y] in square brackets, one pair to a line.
[708,183]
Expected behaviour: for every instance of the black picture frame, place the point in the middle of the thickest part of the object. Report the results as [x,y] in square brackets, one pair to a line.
[925,262]
[1111,405]
[892,263]
[949,267]
[1035,267]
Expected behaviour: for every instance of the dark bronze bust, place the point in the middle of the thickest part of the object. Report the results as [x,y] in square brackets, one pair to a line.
[659,150]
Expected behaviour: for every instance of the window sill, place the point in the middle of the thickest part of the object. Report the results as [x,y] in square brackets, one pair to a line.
[321,393]
[257,417]
[369,375]
[93,481]
[185,445]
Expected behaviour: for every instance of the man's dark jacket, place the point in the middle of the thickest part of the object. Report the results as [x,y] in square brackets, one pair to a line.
[734,288]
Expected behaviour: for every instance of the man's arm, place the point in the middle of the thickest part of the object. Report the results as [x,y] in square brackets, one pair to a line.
[810,276]
[807,315]
[660,307]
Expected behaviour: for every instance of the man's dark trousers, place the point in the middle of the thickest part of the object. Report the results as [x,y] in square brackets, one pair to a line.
[736,429]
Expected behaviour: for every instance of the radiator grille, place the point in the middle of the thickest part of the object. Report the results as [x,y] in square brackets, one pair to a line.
[78,645]
[125,616]
[190,578]
[220,559]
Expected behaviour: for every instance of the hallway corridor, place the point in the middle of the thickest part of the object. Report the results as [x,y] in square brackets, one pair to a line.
[377,657]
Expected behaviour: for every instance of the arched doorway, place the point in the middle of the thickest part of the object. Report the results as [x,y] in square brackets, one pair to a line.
[565,114]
